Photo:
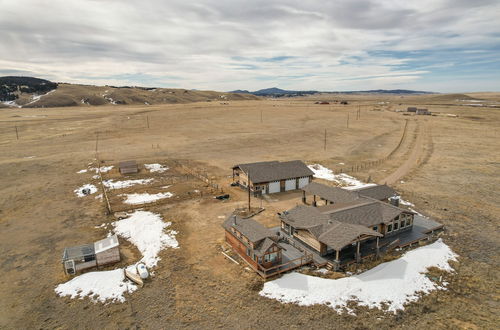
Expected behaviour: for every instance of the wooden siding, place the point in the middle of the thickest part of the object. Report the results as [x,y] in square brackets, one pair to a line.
[309,239]
[108,257]
[240,248]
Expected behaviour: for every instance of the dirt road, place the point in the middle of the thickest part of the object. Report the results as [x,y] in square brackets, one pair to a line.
[414,158]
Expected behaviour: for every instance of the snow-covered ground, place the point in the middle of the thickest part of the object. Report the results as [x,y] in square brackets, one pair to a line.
[110,184]
[156,168]
[35,97]
[82,171]
[144,229]
[136,199]
[99,286]
[342,179]
[147,231]
[393,283]
[79,191]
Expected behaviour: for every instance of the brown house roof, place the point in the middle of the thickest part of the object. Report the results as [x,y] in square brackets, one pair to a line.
[333,194]
[368,212]
[274,171]
[331,232]
[340,234]
[379,192]
[249,228]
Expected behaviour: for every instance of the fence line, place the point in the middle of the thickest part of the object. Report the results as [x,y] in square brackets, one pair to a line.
[369,164]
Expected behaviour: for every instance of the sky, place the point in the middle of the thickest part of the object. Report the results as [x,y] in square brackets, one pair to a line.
[337,45]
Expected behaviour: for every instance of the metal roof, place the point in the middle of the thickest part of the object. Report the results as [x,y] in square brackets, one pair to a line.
[106,244]
[80,251]
[274,171]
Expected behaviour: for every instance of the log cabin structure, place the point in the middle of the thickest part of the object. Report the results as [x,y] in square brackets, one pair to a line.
[272,177]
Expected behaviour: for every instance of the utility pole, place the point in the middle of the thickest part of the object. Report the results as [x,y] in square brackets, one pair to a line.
[147,120]
[325,141]
[17,134]
[248,185]
[261,116]
[348,120]
[96,141]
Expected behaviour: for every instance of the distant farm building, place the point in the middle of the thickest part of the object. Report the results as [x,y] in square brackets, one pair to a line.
[423,112]
[411,109]
[128,167]
[100,253]
[321,102]
[272,177]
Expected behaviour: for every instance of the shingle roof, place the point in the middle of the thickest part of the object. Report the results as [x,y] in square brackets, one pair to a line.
[274,171]
[331,232]
[368,212]
[379,192]
[333,194]
[340,234]
[264,246]
[250,228]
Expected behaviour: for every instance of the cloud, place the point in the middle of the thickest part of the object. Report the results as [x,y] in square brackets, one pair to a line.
[228,44]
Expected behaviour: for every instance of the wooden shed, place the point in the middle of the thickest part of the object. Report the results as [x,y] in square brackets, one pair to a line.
[128,167]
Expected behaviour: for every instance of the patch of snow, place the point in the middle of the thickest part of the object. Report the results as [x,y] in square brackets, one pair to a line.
[156,168]
[342,179]
[322,271]
[35,98]
[91,187]
[82,171]
[29,157]
[125,183]
[167,186]
[393,283]
[99,286]
[99,197]
[136,199]
[11,104]
[95,177]
[403,202]
[146,230]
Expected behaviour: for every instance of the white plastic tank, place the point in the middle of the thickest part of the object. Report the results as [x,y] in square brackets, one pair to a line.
[142,270]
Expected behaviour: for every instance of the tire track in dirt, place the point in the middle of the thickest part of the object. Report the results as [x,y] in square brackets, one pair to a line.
[415,156]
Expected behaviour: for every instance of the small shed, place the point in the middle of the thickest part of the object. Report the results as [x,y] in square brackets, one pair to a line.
[411,109]
[128,167]
[107,251]
[100,253]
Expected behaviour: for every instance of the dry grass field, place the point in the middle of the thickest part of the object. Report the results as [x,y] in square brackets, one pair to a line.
[448,166]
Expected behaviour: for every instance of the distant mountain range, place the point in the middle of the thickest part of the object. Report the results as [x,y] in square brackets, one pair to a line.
[278,92]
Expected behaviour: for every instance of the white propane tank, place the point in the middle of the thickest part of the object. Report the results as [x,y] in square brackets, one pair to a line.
[142,270]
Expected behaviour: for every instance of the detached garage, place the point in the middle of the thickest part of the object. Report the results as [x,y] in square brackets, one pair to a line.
[272,177]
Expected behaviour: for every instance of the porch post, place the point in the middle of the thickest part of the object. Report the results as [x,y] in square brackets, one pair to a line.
[358,255]
[378,250]
[304,197]
[337,261]
[314,201]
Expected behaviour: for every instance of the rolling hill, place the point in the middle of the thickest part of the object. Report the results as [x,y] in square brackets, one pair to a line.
[28,92]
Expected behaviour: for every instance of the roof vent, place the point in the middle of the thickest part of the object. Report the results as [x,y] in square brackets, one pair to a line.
[234,220]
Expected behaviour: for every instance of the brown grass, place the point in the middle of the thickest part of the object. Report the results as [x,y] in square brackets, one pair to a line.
[456,182]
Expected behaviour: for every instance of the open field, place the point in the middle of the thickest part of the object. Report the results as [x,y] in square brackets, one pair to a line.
[447,166]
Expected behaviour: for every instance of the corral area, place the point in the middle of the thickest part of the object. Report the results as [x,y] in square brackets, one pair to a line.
[447,165]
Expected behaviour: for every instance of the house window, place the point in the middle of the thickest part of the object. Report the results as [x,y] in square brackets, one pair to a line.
[396,225]
[389,228]
[249,252]
[403,223]
[271,257]
[375,228]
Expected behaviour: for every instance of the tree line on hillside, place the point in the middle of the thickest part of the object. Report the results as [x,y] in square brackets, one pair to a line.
[10,87]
